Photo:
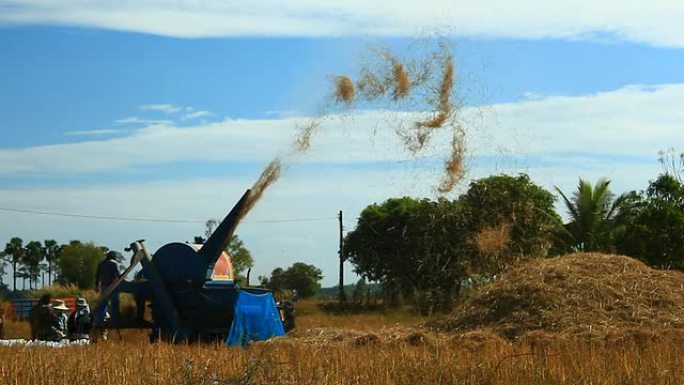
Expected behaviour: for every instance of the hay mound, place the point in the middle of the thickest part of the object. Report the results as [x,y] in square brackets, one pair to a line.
[575,294]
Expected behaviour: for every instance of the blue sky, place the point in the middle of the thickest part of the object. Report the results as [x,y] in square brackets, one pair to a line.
[155,109]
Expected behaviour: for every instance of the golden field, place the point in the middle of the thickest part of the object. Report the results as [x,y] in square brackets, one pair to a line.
[349,349]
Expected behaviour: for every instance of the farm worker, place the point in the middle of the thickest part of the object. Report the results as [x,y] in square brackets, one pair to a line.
[44,321]
[2,331]
[108,271]
[141,294]
[80,321]
[62,312]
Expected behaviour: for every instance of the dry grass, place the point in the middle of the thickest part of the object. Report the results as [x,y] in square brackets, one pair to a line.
[402,83]
[374,349]
[370,86]
[356,358]
[302,142]
[270,174]
[344,89]
[492,240]
[453,167]
[443,96]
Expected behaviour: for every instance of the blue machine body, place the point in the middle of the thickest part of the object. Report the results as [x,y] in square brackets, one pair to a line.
[187,303]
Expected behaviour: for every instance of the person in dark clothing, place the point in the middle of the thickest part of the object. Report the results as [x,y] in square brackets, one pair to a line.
[108,271]
[141,294]
[80,321]
[44,321]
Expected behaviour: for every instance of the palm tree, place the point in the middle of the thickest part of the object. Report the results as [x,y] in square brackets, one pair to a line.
[592,213]
[15,250]
[33,255]
[52,253]
[3,265]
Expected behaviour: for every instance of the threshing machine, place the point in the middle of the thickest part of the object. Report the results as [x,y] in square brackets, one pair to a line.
[193,294]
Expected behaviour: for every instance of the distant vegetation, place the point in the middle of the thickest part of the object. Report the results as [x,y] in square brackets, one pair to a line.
[426,252]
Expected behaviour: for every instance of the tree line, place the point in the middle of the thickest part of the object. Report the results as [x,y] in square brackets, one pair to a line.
[428,252]
[74,262]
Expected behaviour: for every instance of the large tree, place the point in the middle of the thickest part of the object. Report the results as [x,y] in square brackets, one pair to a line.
[513,209]
[52,255]
[412,247]
[33,255]
[301,277]
[425,250]
[15,250]
[239,255]
[653,222]
[592,211]
[78,263]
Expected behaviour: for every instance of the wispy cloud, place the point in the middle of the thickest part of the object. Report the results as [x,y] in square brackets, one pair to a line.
[197,114]
[634,121]
[92,132]
[137,120]
[654,22]
[282,113]
[166,108]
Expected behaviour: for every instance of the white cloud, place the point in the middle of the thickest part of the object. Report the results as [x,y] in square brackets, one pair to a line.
[137,120]
[656,22]
[197,114]
[634,121]
[107,131]
[166,108]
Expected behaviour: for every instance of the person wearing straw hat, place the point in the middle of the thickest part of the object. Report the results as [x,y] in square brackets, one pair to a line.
[62,313]
[80,321]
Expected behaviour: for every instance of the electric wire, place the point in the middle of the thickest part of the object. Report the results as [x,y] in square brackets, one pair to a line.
[154,220]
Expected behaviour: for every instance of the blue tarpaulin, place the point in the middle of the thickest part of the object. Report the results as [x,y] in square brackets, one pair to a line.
[256,319]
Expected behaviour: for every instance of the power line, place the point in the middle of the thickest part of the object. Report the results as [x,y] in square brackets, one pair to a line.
[155,220]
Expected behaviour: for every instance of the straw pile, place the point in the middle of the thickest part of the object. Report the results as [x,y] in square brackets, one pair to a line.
[589,294]
[326,336]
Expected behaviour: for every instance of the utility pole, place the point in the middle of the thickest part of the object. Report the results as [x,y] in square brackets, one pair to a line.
[342,295]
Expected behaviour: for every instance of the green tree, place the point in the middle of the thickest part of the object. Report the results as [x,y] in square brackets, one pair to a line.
[23,274]
[239,255]
[52,255]
[412,247]
[522,211]
[33,255]
[654,223]
[303,278]
[276,282]
[78,263]
[15,250]
[424,250]
[381,246]
[592,213]
[3,267]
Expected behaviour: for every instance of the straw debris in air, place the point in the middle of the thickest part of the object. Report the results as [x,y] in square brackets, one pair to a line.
[344,89]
